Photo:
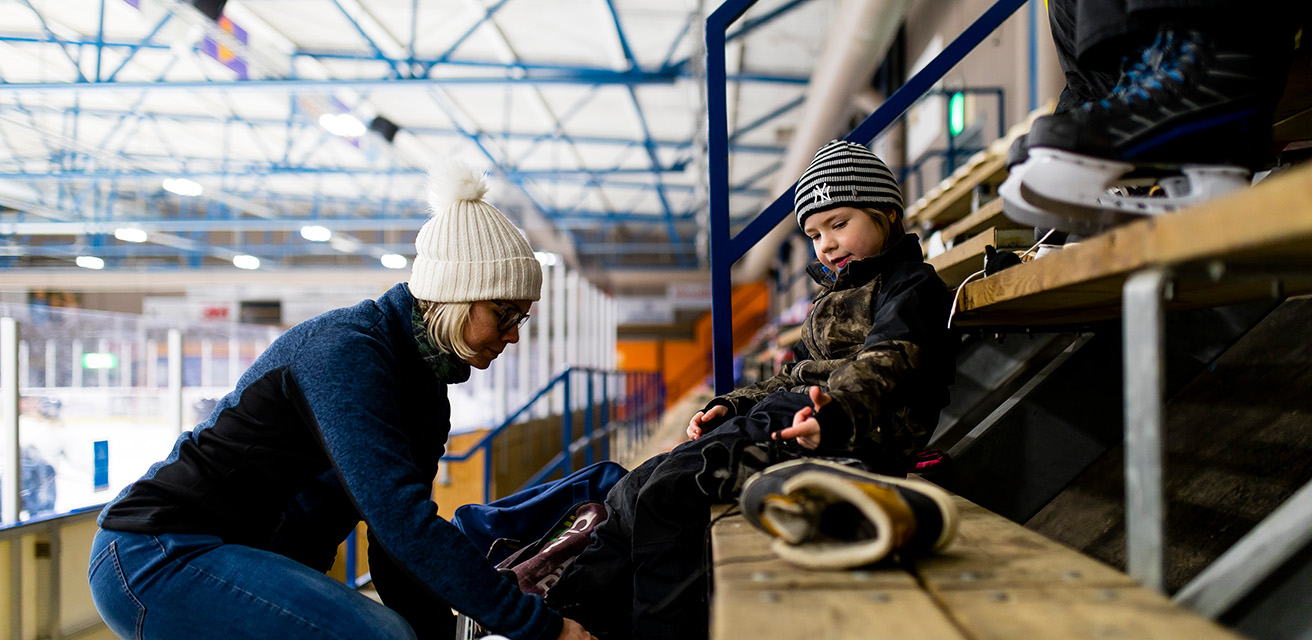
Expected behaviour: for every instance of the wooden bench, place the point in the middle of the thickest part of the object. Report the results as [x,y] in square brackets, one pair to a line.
[1228,250]
[997,580]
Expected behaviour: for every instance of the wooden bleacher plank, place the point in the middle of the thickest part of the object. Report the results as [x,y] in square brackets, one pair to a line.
[953,203]
[991,552]
[829,614]
[998,580]
[1263,228]
[989,215]
[753,586]
[1064,613]
[956,264]
[741,555]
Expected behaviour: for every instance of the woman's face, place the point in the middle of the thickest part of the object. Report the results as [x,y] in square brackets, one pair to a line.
[493,324]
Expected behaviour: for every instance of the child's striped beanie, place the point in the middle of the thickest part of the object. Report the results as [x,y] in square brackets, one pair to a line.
[846,174]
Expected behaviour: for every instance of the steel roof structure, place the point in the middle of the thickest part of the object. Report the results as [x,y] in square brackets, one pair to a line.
[307,126]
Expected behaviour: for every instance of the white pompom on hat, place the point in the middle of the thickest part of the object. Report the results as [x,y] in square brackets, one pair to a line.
[468,250]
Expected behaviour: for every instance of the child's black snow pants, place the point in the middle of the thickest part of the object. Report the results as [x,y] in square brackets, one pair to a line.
[647,566]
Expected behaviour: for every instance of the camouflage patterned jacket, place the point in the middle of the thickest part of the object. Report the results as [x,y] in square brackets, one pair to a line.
[877,341]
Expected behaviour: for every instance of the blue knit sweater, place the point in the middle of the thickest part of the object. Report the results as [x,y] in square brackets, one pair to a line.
[339,420]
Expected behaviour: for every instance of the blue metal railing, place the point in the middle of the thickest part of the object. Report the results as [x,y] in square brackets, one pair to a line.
[630,406]
[642,409]
[725,248]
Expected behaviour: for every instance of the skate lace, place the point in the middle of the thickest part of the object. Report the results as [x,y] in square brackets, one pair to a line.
[1158,66]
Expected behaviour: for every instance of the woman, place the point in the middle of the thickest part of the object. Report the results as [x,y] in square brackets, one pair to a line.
[342,420]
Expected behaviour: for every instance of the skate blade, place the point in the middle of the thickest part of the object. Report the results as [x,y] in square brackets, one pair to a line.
[1072,192]
[1018,209]
[1063,191]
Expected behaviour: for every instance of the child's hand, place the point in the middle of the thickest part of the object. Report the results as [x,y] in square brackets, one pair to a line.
[572,630]
[702,417]
[805,427]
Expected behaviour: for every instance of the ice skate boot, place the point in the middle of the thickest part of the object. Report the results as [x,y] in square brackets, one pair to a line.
[825,515]
[1186,123]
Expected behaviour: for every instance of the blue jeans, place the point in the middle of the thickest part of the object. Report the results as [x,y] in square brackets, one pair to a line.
[195,586]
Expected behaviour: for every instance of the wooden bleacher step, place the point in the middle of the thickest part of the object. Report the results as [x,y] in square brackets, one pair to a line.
[998,580]
[1256,237]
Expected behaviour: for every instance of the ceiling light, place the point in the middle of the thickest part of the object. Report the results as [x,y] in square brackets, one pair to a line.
[342,124]
[182,187]
[130,234]
[90,262]
[244,261]
[344,244]
[393,261]
[316,233]
[547,259]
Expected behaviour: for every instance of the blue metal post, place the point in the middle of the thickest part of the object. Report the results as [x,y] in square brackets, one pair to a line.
[587,422]
[722,254]
[606,418]
[567,427]
[726,250]
[487,472]
[1034,56]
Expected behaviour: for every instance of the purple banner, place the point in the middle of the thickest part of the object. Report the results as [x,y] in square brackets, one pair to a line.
[224,55]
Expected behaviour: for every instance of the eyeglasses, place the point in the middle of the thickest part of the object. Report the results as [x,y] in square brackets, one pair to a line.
[510,318]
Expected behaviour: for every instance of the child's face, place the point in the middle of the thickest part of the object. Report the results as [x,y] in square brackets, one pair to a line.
[842,235]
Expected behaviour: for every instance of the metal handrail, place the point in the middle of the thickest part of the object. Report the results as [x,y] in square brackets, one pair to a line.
[725,248]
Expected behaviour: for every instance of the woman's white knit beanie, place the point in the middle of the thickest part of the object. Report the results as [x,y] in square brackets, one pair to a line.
[468,250]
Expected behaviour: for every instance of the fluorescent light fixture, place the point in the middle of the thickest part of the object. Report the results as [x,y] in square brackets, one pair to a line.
[547,259]
[393,261]
[182,187]
[99,361]
[244,261]
[344,244]
[130,234]
[342,124]
[90,262]
[316,233]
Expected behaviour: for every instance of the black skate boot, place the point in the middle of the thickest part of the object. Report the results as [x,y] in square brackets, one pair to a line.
[1188,116]
[827,515]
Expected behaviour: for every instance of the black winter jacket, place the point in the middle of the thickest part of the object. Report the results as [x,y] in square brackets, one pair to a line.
[877,341]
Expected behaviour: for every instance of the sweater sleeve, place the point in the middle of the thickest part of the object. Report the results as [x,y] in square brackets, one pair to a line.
[429,616]
[348,383]
[741,400]
[873,384]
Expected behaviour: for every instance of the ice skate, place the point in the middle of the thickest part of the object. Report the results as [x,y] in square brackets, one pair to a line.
[825,515]
[1085,195]
[1186,123]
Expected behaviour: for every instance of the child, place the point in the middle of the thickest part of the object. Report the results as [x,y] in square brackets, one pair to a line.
[870,376]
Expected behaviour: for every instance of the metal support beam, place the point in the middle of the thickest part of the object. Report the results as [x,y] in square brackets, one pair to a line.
[1144,339]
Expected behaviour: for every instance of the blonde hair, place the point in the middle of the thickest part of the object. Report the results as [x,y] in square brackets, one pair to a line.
[884,220]
[444,323]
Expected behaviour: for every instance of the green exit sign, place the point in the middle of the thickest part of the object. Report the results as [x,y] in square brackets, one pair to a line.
[956,114]
[99,361]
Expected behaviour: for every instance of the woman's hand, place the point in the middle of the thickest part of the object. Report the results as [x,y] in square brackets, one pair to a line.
[805,427]
[702,417]
[574,631]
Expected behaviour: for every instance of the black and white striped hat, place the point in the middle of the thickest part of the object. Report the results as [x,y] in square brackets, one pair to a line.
[845,174]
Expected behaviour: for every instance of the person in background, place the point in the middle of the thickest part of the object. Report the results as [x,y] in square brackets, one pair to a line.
[342,420]
[870,375]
